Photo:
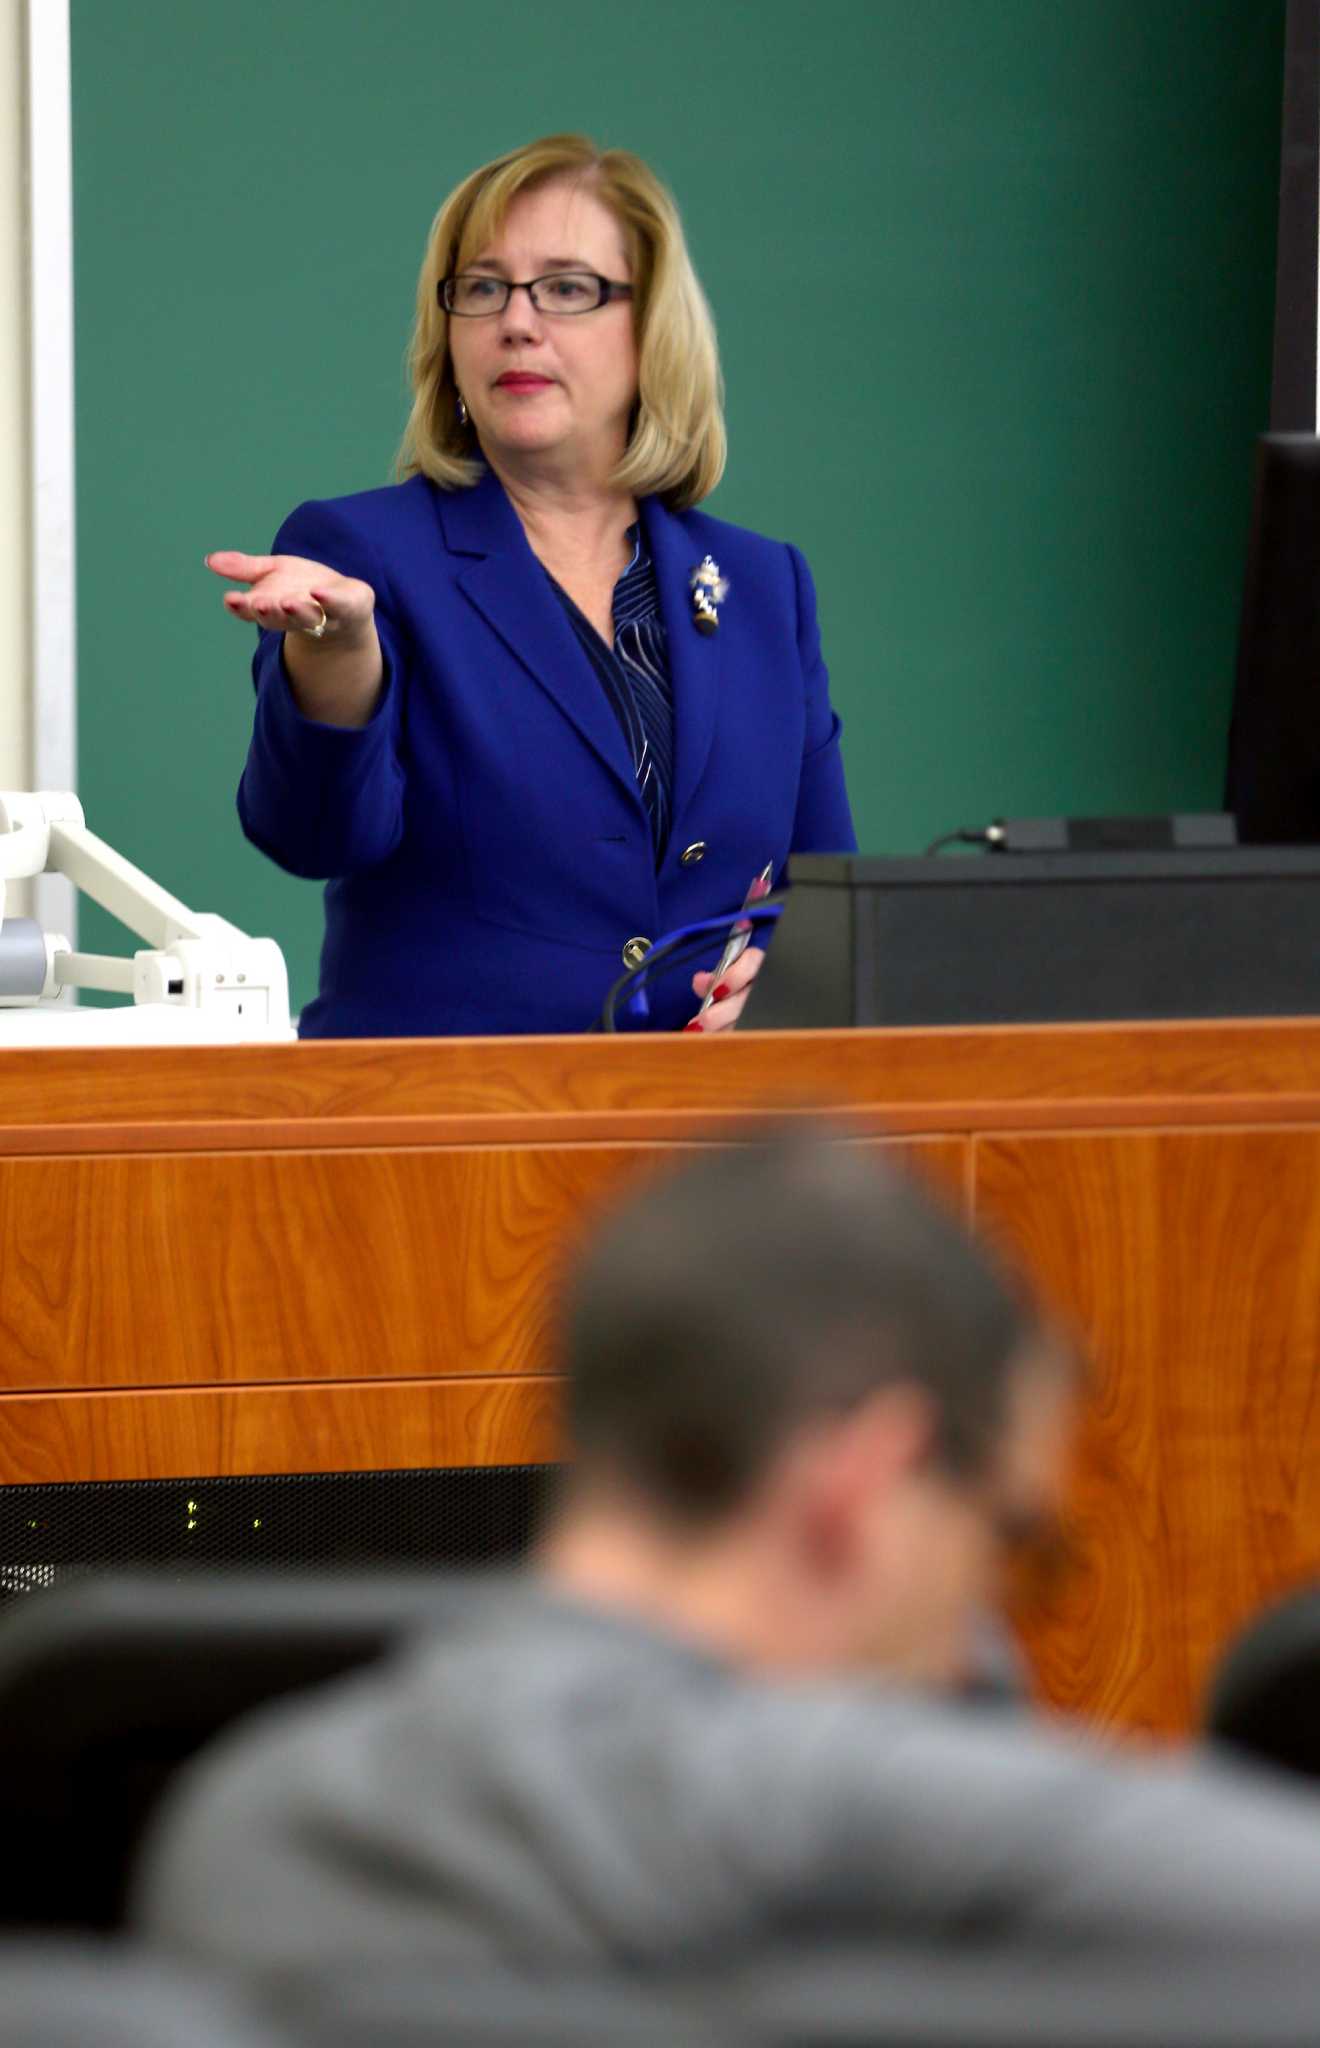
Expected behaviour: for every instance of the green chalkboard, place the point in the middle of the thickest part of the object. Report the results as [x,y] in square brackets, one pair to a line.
[994,284]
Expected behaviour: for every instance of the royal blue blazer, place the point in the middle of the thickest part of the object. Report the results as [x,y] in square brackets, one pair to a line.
[487,852]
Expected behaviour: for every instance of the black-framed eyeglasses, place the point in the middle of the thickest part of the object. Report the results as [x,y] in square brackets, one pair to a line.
[472,295]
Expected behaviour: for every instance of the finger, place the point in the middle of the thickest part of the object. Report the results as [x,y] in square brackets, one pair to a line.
[737,975]
[722,1016]
[306,614]
[242,568]
[741,973]
[272,612]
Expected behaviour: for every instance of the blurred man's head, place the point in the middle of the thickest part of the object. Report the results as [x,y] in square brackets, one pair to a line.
[808,1412]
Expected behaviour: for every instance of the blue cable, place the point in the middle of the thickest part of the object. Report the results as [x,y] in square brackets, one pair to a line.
[662,951]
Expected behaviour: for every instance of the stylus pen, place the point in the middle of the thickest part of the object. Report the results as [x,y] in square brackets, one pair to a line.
[739,938]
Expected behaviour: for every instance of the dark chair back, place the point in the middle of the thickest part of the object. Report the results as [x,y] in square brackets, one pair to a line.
[108,1685]
[1264,1698]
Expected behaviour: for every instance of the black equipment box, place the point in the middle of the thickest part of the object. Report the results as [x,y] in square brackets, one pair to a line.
[1043,939]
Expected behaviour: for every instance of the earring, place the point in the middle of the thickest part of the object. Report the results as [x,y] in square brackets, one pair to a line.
[462,411]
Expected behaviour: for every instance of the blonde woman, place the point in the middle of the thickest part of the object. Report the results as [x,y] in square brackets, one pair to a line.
[528,709]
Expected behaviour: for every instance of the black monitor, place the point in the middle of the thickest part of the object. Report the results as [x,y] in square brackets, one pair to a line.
[1274,745]
[1043,939]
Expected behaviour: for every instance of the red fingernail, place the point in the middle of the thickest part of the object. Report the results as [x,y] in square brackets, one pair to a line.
[695,1025]
[717,995]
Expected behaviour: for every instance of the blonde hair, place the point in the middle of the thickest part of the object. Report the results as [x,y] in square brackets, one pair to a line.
[676,447]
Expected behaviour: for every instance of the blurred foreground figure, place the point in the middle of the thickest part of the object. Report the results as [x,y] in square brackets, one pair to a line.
[808,1416]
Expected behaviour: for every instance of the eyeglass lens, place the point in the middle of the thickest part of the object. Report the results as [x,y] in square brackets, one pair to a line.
[566,291]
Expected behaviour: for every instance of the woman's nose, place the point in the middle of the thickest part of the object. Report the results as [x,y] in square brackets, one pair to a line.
[520,318]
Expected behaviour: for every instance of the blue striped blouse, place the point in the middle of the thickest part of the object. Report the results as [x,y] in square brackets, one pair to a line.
[635,676]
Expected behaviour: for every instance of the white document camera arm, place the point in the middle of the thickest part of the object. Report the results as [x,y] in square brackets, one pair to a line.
[193,959]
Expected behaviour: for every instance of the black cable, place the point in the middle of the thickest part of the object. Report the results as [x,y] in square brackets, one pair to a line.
[676,955]
[682,947]
[673,956]
[673,953]
[966,835]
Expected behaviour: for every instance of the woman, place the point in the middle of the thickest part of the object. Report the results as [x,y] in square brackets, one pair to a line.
[528,710]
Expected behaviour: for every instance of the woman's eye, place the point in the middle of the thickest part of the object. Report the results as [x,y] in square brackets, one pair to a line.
[570,288]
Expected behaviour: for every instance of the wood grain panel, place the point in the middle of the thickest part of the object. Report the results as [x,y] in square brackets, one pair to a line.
[1191,1264]
[124,1271]
[219,1432]
[315,1265]
[944,1164]
[423,1092]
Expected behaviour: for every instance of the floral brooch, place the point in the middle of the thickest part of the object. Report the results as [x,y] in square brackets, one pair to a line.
[709,590]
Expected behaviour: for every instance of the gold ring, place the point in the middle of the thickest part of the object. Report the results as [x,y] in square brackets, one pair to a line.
[315,632]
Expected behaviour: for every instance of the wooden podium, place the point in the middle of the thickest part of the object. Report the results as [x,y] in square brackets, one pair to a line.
[334,1257]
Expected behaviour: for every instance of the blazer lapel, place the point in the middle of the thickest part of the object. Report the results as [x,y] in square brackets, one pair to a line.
[511,590]
[694,658]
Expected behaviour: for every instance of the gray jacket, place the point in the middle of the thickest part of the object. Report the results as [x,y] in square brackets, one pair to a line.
[550,1784]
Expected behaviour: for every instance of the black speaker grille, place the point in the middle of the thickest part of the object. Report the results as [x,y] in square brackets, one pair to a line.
[319,1520]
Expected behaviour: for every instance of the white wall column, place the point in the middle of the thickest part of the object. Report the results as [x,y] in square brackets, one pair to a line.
[15,434]
[54,754]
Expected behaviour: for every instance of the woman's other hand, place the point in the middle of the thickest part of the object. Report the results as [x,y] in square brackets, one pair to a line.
[288,593]
[336,674]
[729,997]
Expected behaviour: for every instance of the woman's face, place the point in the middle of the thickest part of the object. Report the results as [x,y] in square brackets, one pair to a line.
[544,384]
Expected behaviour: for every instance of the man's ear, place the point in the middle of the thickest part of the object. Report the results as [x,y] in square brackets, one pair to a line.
[858,1463]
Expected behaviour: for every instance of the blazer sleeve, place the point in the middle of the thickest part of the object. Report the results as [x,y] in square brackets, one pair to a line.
[823,822]
[326,800]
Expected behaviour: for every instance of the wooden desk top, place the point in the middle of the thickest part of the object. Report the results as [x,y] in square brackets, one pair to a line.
[406,1092]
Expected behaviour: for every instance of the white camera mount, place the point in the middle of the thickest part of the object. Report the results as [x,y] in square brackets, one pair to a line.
[193,960]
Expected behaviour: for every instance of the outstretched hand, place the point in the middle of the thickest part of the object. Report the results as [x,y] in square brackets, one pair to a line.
[287,593]
[731,994]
